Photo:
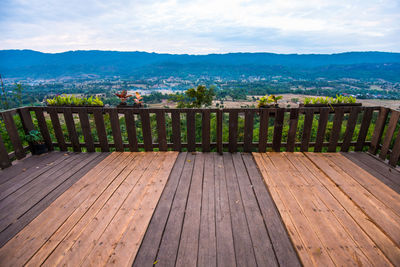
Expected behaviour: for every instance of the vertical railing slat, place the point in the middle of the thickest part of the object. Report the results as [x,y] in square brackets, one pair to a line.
[263,133]
[73,136]
[205,130]
[233,130]
[322,122]
[116,130]
[44,130]
[350,126]
[291,139]
[278,127]
[365,123]
[131,130]
[248,130]
[146,130]
[13,134]
[86,131]
[4,159]
[336,129]
[219,131]
[308,120]
[101,129]
[394,118]
[55,121]
[378,131]
[176,130]
[26,120]
[191,130]
[161,130]
[395,155]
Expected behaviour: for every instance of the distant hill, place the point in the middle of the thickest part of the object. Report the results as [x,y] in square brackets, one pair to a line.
[361,65]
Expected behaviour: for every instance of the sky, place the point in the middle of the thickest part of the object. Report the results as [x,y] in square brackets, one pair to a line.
[201,26]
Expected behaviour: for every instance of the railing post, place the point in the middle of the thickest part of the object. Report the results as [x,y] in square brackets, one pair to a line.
[13,134]
[4,159]
[378,131]
[219,131]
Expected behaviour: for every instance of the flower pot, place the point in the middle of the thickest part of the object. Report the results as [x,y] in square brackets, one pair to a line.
[38,149]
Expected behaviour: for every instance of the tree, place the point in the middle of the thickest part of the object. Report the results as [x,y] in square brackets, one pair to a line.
[196,98]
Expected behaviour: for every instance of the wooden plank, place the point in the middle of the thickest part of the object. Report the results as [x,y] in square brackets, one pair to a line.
[219,131]
[176,130]
[125,250]
[323,221]
[248,130]
[394,118]
[395,155]
[205,131]
[13,134]
[309,247]
[86,131]
[49,221]
[189,240]
[146,129]
[387,220]
[161,130]
[4,159]
[101,238]
[116,129]
[382,241]
[351,124]
[101,129]
[377,168]
[322,122]
[151,242]
[378,131]
[55,121]
[262,244]
[26,120]
[73,136]
[223,226]
[131,130]
[291,139]
[366,121]
[336,129]
[207,255]
[33,212]
[285,253]
[308,120]
[86,210]
[378,189]
[348,221]
[241,236]
[263,134]
[233,130]
[278,127]
[169,245]
[43,128]
[191,130]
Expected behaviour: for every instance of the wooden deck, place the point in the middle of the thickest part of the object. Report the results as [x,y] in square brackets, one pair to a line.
[204,209]
[336,213]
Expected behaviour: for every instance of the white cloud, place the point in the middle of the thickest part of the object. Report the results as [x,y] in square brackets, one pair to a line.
[200,27]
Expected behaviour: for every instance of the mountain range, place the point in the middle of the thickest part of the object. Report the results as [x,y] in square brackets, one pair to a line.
[138,65]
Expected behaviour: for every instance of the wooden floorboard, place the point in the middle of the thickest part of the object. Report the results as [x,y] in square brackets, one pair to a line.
[212,217]
[101,219]
[336,213]
[30,198]
[384,172]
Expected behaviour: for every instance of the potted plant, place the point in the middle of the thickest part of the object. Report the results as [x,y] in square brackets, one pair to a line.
[123,97]
[330,101]
[34,138]
[265,100]
[138,100]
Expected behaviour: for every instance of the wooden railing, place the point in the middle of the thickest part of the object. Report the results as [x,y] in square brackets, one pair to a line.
[307,129]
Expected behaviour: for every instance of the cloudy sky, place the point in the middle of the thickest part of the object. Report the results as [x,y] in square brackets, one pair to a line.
[201,26]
